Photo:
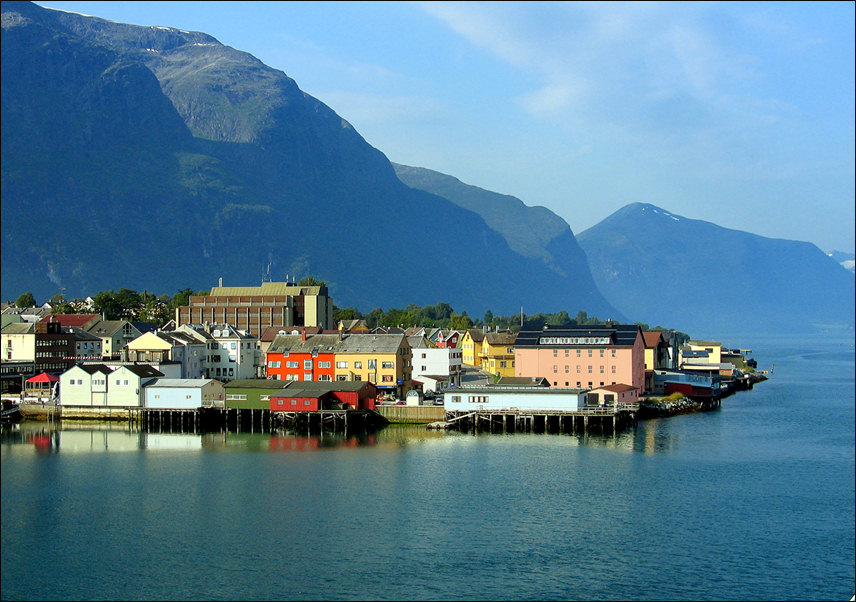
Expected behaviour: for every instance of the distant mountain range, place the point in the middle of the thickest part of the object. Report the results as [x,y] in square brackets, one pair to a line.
[156,158]
[697,275]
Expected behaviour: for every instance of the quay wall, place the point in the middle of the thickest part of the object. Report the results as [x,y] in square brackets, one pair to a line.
[411,414]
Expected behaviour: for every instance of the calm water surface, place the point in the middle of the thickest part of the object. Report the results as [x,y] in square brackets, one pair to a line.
[754,501]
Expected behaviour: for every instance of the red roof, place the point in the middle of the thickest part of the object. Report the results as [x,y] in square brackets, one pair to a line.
[78,320]
[44,377]
[652,339]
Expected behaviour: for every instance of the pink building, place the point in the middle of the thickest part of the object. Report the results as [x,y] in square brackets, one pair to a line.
[583,357]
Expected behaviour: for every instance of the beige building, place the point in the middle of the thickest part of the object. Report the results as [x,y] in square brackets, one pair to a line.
[256,308]
[384,360]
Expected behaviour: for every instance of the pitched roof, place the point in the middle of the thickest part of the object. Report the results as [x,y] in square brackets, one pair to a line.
[500,338]
[143,370]
[371,343]
[256,383]
[616,388]
[652,338]
[19,328]
[619,334]
[78,320]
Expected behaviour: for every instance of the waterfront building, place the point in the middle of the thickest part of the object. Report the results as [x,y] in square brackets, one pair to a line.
[512,398]
[298,357]
[49,346]
[384,360]
[582,357]
[125,387]
[251,393]
[308,396]
[84,385]
[255,308]
[185,393]
[614,394]
[690,384]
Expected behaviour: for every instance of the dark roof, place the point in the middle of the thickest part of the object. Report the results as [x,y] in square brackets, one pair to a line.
[619,334]
[144,370]
[144,327]
[256,383]
[523,381]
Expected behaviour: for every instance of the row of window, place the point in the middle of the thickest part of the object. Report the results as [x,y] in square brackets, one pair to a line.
[574,341]
[579,352]
[579,369]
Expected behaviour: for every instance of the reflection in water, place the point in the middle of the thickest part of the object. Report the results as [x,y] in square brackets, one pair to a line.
[87,436]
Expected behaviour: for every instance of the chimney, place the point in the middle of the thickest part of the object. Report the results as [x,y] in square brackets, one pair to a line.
[220,282]
[303,335]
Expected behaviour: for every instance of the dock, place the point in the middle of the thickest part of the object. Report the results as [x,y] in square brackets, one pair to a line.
[610,418]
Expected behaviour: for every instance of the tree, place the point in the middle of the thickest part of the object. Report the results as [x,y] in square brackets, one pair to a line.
[460,321]
[26,300]
[105,303]
[311,281]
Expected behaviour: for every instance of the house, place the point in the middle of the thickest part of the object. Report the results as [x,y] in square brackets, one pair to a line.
[87,346]
[185,393]
[701,351]
[382,359]
[471,347]
[353,327]
[74,320]
[497,353]
[309,396]
[84,385]
[433,365]
[656,355]
[125,386]
[157,347]
[613,394]
[582,357]
[114,335]
[298,357]
[230,353]
[525,398]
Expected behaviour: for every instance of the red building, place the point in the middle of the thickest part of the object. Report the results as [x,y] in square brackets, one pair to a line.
[316,396]
[298,357]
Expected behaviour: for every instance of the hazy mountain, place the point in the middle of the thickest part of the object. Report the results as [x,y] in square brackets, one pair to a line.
[155,158]
[534,232]
[696,276]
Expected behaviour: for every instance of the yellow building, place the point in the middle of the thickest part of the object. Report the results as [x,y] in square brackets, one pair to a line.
[471,347]
[709,352]
[384,360]
[497,353]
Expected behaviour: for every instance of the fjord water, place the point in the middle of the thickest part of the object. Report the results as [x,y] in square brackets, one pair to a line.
[753,501]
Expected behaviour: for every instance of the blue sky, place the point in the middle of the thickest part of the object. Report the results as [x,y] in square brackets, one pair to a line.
[737,113]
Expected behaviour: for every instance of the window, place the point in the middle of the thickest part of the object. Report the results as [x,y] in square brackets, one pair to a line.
[372,365]
[357,366]
[567,369]
[555,369]
[306,402]
[613,369]
[233,346]
[307,364]
[555,352]
[601,369]
[273,364]
[342,365]
[388,365]
[324,364]
[589,369]
[293,365]
[307,376]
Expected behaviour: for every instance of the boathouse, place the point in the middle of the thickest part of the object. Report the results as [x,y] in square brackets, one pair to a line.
[312,396]
[523,398]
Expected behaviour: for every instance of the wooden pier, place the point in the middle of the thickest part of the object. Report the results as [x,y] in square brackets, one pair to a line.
[199,420]
[608,419]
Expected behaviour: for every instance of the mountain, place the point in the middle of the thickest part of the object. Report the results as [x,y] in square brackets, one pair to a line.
[847,260]
[696,276]
[158,159]
[533,232]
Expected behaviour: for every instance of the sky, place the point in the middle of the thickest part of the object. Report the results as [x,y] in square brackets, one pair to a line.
[736,113]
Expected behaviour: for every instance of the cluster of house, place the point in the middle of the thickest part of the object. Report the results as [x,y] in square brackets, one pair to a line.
[265,361]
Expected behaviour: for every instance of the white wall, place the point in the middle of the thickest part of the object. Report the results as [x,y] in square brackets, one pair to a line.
[488,399]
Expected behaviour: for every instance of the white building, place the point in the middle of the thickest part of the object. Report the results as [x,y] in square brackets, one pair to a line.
[514,398]
[84,385]
[230,353]
[433,365]
[125,386]
[188,393]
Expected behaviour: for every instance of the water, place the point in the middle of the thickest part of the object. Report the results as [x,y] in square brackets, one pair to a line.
[754,501]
